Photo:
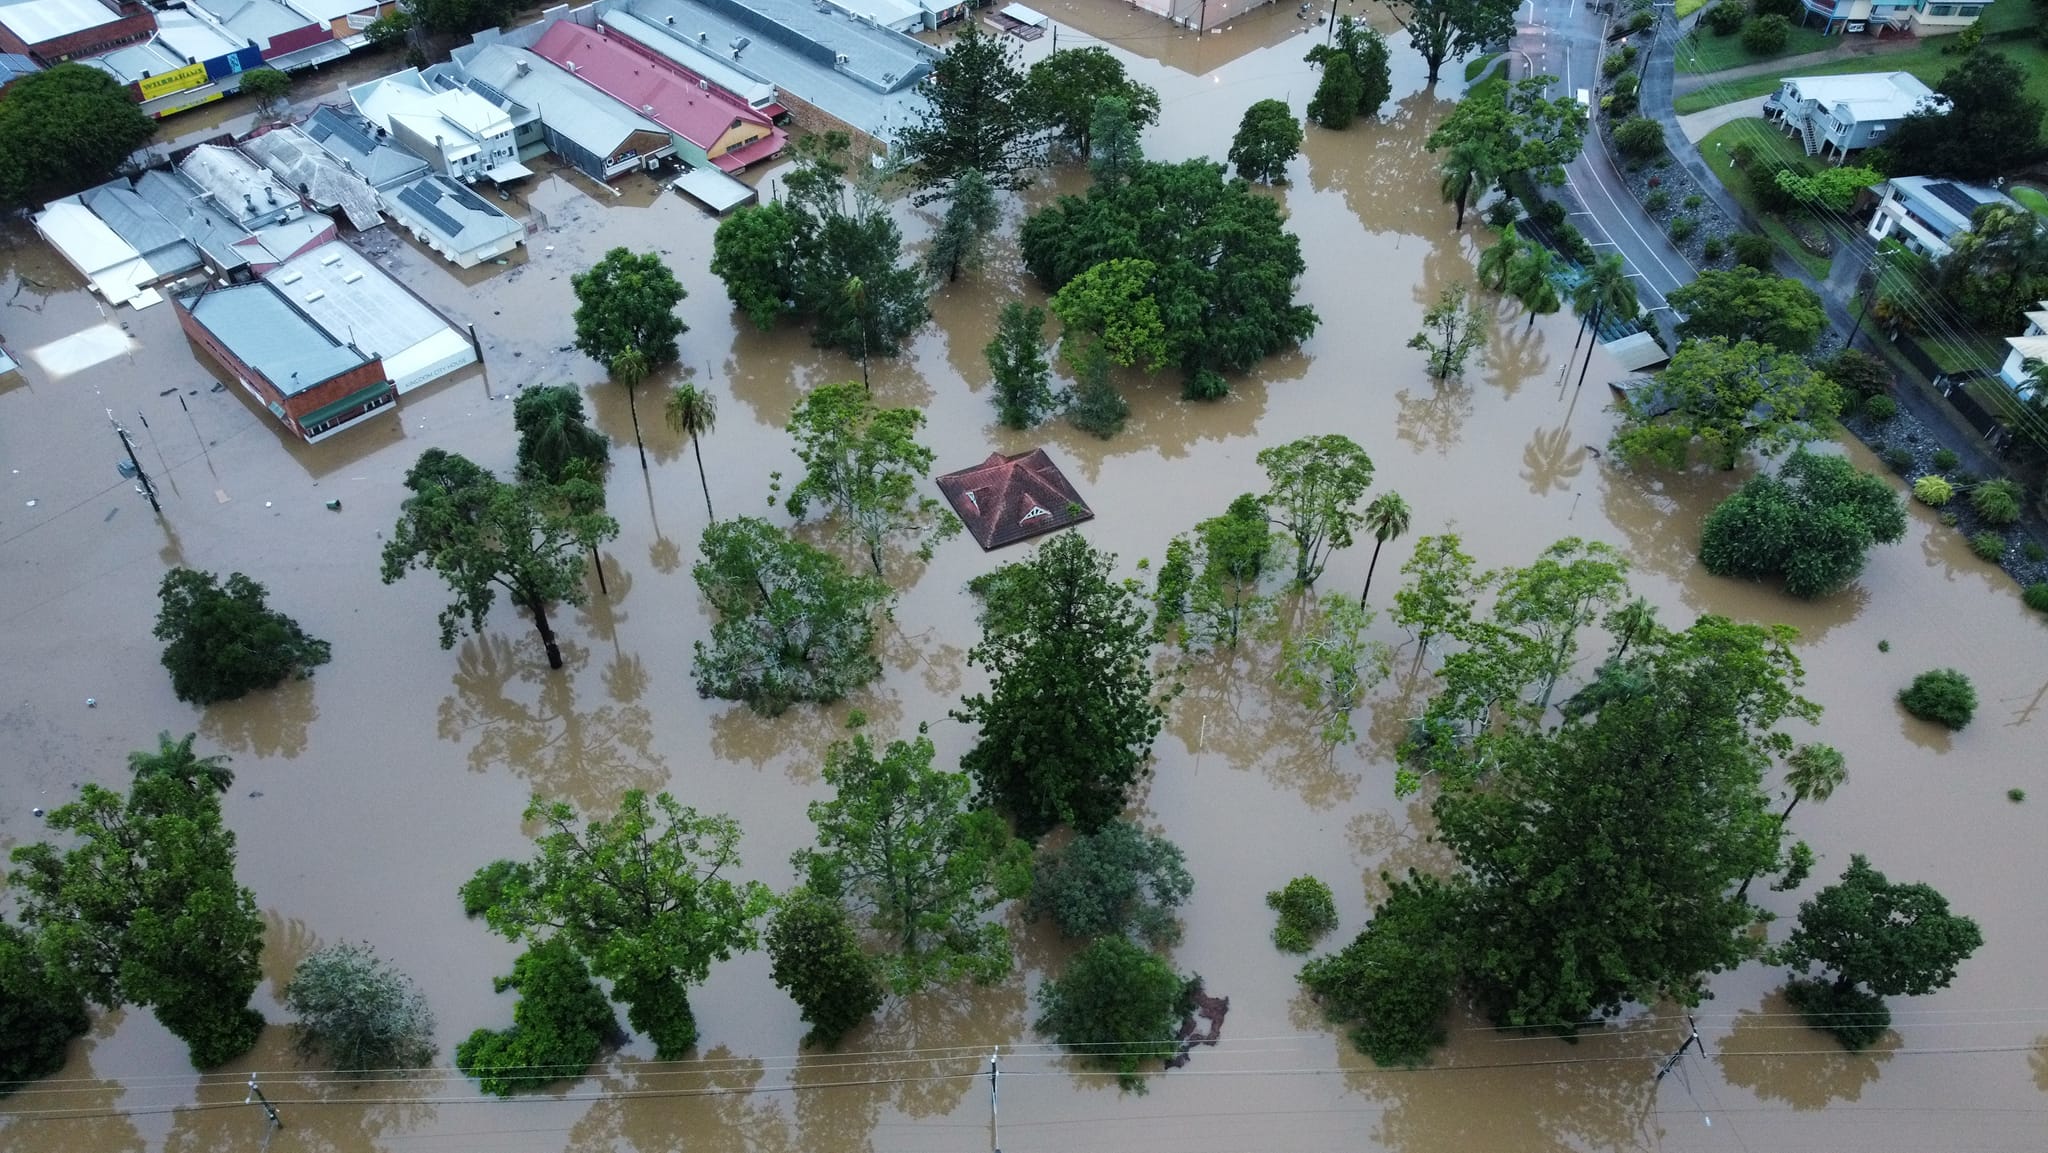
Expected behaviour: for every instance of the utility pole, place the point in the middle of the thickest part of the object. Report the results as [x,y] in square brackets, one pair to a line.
[1867,281]
[148,489]
[995,1143]
[1692,1038]
[256,1096]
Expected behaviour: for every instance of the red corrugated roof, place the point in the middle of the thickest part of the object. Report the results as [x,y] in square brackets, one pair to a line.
[659,93]
[753,153]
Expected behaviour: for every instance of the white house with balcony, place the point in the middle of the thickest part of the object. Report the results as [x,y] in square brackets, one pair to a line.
[1926,213]
[1878,17]
[1837,115]
[458,132]
[2028,350]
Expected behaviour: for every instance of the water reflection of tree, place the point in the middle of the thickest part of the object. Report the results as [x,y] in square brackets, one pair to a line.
[611,414]
[1516,355]
[799,737]
[1547,1102]
[1382,170]
[939,663]
[2038,1060]
[919,1056]
[92,1122]
[1550,461]
[267,724]
[1386,844]
[587,757]
[1433,414]
[712,1105]
[1232,705]
[287,942]
[1775,1055]
[1660,514]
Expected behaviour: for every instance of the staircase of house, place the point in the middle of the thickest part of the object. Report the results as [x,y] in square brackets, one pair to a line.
[1806,136]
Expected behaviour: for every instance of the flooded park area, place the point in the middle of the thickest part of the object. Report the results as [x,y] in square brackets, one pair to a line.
[365,795]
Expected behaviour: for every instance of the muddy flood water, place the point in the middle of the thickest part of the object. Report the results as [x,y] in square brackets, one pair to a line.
[365,795]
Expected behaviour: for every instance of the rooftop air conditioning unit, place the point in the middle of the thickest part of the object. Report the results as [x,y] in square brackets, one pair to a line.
[703,85]
[671,20]
[840,58]
[701,37]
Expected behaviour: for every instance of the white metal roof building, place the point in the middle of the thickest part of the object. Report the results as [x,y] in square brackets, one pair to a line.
[665,41]
[240,187]
[591,131]
[357,303]
[136,221]
[355,144]
[40,21]
[454,221]
[109,264]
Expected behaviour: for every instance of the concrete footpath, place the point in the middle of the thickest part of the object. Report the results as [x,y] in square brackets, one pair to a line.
[1696,126]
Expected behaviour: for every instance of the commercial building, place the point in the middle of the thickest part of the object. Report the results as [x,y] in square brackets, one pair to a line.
[347,21]
[453,221]
[553,111]
[241,188]
[456,131]
[296,159]
[358,305]
[14,66]
[111,266]
[362,148]
[704,128]
[832,70]
[53,31]
[694,61]
[288,40]
[315,385]
[159,242]
[190,61]
[231,251]
[1925,214]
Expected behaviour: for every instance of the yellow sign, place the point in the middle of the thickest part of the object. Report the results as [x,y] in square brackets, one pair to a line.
[165,83]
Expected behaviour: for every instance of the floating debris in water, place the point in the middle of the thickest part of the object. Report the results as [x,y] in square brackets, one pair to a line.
[92,702]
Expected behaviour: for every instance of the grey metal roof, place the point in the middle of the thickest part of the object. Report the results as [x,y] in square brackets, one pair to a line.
[236,182]
[348,137]
[191,211]
[256,20]
[301,163]
[136,61]
[800,58]
[667,41]
[14,66]
[566,105]
[462,219]
[136,221]
[256,323]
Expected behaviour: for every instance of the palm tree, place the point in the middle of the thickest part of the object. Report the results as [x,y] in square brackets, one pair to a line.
[1812,771]
[694,411]
[1529,280]
[630,368]
[857,295]
[1607,289]
[1469,166]
[175,759]
[1387,516]
[1495,262]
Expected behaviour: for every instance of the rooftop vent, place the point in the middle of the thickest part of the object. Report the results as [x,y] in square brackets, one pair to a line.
[888,78]
[312,296]
[351,278]
[740,42]
[671,20]
[292,277]
[647,109]
[701,37]
[840,58]
[330,260]
[525,67]
[703,85]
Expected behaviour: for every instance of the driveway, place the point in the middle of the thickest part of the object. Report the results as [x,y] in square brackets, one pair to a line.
[1696,126]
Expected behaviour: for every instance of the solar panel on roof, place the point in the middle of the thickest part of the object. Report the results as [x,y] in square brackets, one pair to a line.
[417,198]
[491,94]
[467,199]
[1954,197]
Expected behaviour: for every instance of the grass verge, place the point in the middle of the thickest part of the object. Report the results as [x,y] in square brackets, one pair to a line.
[1686,8]
[1924,60]
[1474,67]
[1705,52]
[1718,146]
[2033,198]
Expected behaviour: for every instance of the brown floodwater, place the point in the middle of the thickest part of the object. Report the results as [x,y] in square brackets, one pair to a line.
[365,796]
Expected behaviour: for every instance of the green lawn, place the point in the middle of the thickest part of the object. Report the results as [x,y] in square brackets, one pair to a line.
[1924,60]
[1686,8]
[2032,197]
[1717,148]
[1705,52]
[1474,67]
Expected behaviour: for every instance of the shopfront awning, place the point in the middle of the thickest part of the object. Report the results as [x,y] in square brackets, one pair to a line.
[508,171]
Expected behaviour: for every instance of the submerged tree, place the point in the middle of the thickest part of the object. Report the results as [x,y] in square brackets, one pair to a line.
[1116,1006]
[1113,303]
[693,411]
[560,1024]
[144,907]
[971,214]
[1064,91]
[553,432]
[481,535]
[1446,29]
[1118,879]
[64,129]
[1451,332]
[1228,563]
[979,119]
[1096,405]
[1877,939]
[1267,139]
[815,954]
[222,641]
[1387,517]
[1394,983]
[1329,665]
[1811,524]
[1068,720]
[1317,482]
[865,465]
[357,1012]
[41,1011]
[639,897]
[1360,90]
[899,843]
[1017,362]
[1114,151]
[626,320]
[1727,399]
[791,623]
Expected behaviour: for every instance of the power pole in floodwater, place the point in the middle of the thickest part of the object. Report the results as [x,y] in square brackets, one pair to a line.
[256,1096]
[994,1134]
[1692,1038]
[148,489]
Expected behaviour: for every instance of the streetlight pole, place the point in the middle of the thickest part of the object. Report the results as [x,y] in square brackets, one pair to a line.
[1868,282]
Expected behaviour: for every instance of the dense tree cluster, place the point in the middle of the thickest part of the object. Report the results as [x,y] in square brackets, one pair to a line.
[1742,304]
[1356,80]
[1117,879]
[1725,399]
[1500,131]
[223,641]
[1991,128]
[1223,266]
[864,465]
[560,1024]
[1811,524]
[64,129]
[1116,1005]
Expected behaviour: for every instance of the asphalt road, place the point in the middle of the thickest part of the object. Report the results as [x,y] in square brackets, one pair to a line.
[1566,39]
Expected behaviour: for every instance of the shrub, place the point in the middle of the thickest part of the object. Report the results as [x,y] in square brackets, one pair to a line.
[1118,879]
[1950,517]
[1395,982]
[1933,491]
[1693,202]
[2015,795]
[2033,551]
[1639,137]
[1859,373]
[1997,502]
[1898,460]
[1682,227]
[358,1012]
[1115,1006]
[223,641]
[1726,19]
[1943,696]
[1628,86]
[1945,460]
[1618,62]
[1641,21]
[1574,243]
[1810,524]
[1753,251]
[1853,1016]
[1789,9]
[1743,154]
[559,1026]
[1766,35]
[1712,249]
[1881,408]
[1988,545]
[1306,910]
[1657,201]
[1548,213]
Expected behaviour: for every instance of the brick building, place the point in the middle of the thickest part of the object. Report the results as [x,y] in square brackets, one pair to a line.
[312,383]
[53,31]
